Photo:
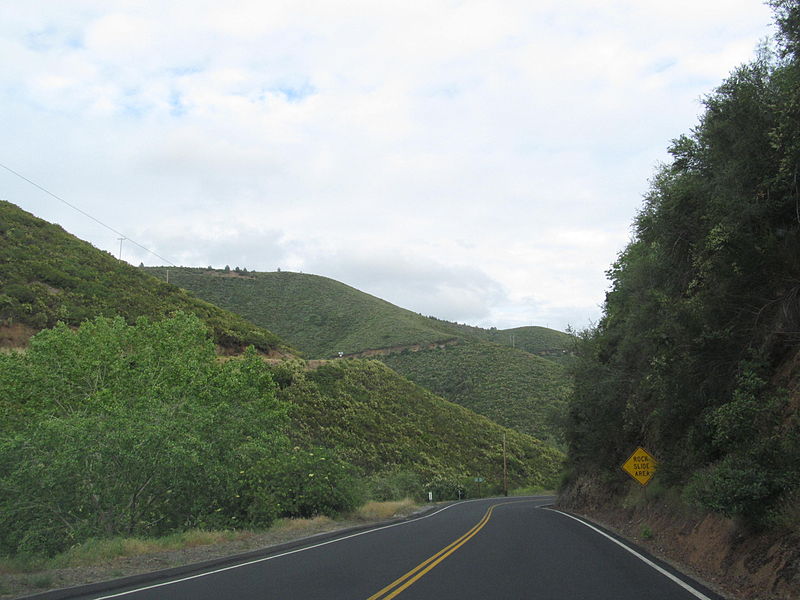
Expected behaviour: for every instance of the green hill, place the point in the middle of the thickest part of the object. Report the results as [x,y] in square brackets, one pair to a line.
[48,275]
[371,415]
[322,317]
[513,388]
[111,429]
[380,421]
[547,343]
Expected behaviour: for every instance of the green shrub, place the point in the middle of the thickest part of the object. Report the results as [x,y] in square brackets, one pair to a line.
[130,430]
[308,482]
[737,486]
[395,485]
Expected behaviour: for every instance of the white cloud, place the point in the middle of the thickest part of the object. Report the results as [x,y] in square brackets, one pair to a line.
[476,160]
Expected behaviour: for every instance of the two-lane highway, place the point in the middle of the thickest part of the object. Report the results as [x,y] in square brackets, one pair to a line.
[490,548]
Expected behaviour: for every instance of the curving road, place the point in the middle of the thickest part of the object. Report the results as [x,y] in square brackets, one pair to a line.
[500,548]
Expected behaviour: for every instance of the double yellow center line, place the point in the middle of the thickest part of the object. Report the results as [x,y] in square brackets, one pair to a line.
[403,582]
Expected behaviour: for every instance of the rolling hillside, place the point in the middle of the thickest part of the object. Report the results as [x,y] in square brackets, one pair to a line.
[381,422]
[320,316]
[48,275]
[365,413]
[513,388]
[477,368]
[547,343]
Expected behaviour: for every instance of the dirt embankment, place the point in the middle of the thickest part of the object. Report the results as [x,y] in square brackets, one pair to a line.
[742,565]
[15,336]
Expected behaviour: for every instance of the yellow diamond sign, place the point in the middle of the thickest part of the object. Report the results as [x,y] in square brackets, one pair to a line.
[641,466]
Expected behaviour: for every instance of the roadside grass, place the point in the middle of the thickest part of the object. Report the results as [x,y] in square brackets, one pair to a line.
[101,551]
[301,525]
[97,551]
[374,511]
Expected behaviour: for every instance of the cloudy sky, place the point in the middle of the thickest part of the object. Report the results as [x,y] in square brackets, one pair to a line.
[480,161]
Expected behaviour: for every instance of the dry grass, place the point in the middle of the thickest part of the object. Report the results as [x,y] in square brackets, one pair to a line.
[299,525]
[373,511]
[96,551]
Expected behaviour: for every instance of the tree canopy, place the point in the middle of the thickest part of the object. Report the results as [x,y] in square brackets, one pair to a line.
[704,304]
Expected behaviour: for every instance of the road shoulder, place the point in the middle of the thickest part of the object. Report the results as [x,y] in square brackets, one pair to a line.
[61,584]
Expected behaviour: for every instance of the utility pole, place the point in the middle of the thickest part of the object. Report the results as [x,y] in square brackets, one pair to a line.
[505,468]
[122,239]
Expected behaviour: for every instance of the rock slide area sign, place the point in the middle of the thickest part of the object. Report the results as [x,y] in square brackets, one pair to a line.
[641,466]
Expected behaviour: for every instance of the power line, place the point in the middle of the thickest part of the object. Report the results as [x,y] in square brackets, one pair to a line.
[84,213]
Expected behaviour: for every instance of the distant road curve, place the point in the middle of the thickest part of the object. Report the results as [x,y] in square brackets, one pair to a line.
[498,548]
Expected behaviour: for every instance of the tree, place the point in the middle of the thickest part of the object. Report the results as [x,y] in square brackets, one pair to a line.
[116,430]
[703,304]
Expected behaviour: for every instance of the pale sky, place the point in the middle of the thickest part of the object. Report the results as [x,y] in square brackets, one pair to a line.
[477,161]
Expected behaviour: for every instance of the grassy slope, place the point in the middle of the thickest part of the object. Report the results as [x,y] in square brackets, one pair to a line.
[318,315]
[379,420]
[372,415]
[547,343]
[513,388]
[322,316]
[48,275]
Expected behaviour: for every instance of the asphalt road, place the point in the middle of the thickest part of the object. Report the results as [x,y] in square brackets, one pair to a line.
[501,548]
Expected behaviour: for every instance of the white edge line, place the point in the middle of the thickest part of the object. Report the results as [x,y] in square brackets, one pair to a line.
[266,558]
[644,559]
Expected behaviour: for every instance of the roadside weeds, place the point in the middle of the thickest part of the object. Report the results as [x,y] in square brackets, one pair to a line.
[103,560]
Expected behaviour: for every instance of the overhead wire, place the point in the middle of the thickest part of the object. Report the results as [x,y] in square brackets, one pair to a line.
[83,212]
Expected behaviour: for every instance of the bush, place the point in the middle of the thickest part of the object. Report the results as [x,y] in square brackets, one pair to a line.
[131,430]
[736,487]
[395,485]
[305,483]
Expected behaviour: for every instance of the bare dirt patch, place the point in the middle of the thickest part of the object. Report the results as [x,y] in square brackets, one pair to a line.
[15,336]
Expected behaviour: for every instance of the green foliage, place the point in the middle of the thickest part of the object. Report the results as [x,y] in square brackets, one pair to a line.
[312,482]
[396,433]
[395,484]
[48,275]
[702,312]
[321,317]
[114,429]
[515,389]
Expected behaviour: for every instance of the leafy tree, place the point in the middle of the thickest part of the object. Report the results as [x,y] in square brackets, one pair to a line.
[702,311]
[114,429]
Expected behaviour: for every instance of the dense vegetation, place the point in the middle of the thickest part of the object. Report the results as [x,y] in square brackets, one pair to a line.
[382,423]
[513,388]
[320,316]
[700,328]
[547,343]
[139,430]
[115,429]
[48,275]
